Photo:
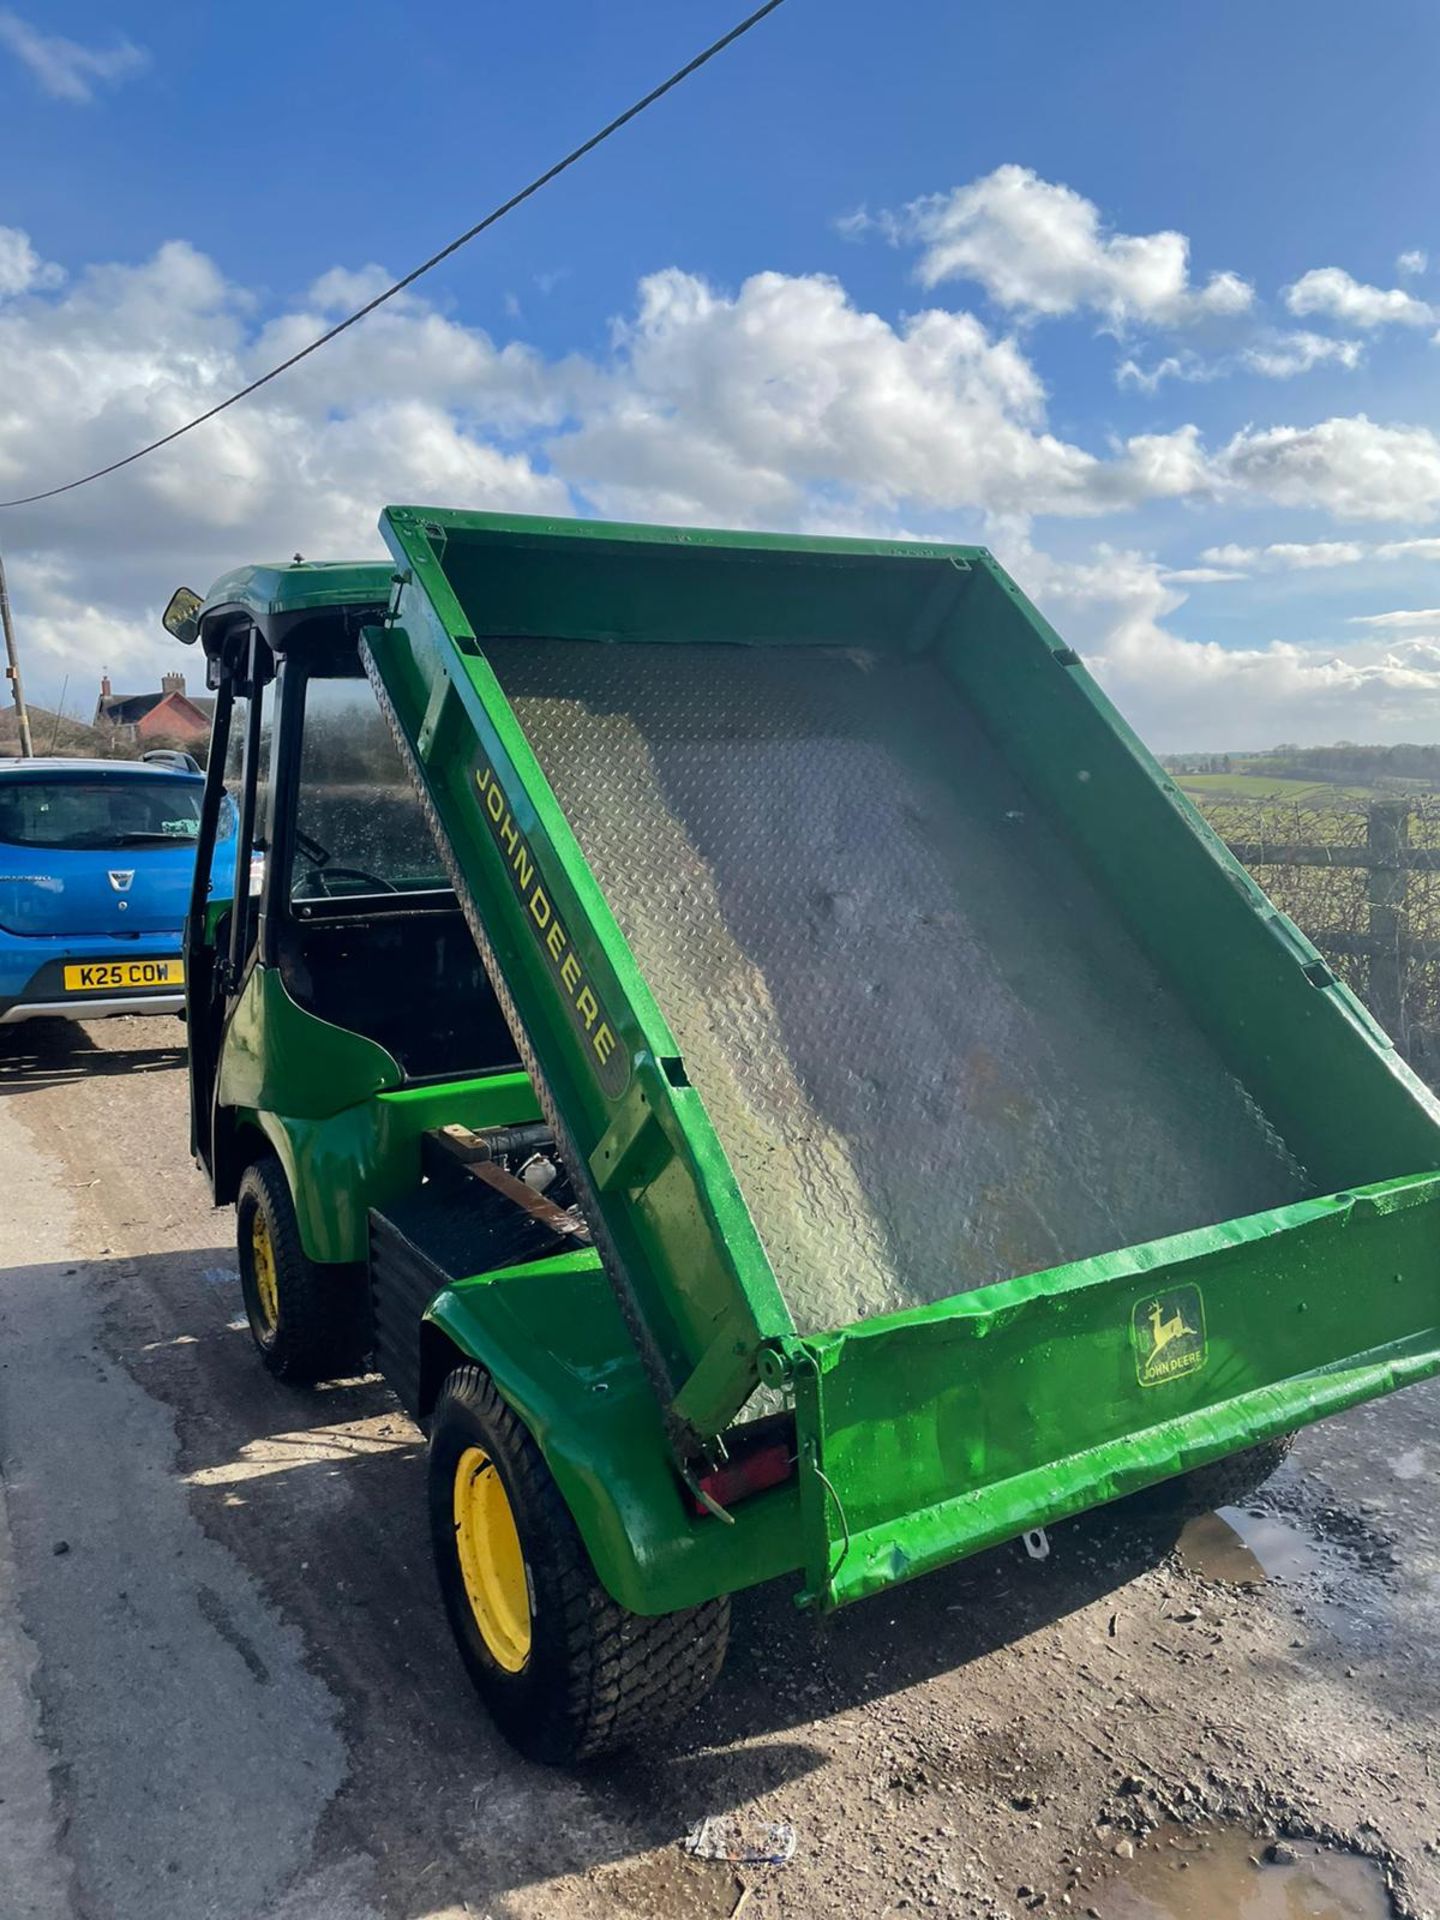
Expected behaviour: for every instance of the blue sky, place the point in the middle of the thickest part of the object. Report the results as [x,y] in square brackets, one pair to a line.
[903,269]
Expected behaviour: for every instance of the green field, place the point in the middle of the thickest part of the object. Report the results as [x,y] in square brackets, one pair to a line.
[1266,786]
[1330,899]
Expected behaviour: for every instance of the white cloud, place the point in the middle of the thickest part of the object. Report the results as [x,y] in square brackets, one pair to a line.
[410,406]
[343,289]
[53,613]
[764,406]
[65,69]
[1181,693]
[1155,466]
[1412,262]
[407,348]
[1408,550]
[1272,355]
[855,224]
[1184,693]
[1427,618]
[1200,576]
[21,268]
[1281,356]
[1305,556]
[1231,558]
[741,407]
[1283,556]
[1040,248]
[1335,295]
[1301,556]
[1349,466]
[1185,365]
[780,403]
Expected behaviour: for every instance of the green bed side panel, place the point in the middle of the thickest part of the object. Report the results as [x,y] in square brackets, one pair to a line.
[1313,1059]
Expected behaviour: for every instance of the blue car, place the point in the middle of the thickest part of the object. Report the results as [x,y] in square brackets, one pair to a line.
[96,862]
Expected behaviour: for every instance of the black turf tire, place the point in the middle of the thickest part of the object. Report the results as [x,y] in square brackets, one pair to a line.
[1224,1483]
[320,1333]
[598,1678]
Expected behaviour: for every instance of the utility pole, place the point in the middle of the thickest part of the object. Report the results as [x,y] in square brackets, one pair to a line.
[12,669]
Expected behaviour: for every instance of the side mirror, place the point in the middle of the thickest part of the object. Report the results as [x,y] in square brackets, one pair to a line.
[180,617]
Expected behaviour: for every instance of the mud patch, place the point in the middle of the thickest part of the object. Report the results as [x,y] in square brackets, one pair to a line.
[1228,1875]
[669,1886]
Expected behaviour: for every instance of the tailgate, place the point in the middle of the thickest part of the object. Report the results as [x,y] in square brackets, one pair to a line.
[124,891]
[96,850]
[928,1435]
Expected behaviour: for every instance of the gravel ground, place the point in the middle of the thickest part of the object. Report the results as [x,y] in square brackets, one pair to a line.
[227,1692]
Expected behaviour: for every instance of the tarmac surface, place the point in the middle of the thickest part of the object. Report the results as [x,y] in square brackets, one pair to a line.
[227,1691]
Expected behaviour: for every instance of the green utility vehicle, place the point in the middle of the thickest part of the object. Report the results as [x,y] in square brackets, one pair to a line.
[774,1074]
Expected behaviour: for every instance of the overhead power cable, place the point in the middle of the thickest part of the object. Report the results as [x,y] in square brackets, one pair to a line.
[461,240]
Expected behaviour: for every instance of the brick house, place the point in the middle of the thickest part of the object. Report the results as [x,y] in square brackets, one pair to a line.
[138,718]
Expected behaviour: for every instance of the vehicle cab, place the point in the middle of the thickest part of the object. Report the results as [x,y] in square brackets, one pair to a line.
[336,967]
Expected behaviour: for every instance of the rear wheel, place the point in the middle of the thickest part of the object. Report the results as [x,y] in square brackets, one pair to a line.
[567,1674]
[307,1320]
[1224,1483]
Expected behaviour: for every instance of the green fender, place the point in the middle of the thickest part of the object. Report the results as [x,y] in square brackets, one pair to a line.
[552,1338]
[332,1107]
[279,1058]
[341,1165]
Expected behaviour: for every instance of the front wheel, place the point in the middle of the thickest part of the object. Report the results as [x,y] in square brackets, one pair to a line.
[566,1673]
[307,1319]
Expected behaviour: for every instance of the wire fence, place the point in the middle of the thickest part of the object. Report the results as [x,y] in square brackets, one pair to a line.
[1362,880]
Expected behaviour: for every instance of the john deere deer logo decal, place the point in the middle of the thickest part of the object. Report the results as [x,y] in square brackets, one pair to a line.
[1168,1330]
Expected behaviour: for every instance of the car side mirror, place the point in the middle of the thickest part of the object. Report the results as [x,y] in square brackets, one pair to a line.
[180,618]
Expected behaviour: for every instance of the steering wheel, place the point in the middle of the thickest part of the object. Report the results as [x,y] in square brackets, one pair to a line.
[320,878]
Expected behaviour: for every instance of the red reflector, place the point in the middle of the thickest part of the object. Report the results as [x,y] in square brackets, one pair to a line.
[747,1473]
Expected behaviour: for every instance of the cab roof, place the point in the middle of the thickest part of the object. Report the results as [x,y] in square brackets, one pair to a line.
[301,585]
[280,597]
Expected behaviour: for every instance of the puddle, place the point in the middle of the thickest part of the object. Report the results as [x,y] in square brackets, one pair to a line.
[1246,1549]
[1338,1564]
[668,1886]
[1214,1876]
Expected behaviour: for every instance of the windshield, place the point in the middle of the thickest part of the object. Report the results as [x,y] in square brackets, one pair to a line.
[123,812]
[359,827]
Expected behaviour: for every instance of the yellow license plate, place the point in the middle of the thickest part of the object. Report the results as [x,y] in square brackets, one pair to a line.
[124,976]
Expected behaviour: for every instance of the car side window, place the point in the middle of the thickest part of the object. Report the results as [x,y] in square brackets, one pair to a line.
[235,761]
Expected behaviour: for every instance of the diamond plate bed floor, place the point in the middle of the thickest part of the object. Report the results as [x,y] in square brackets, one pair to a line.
[933,1053]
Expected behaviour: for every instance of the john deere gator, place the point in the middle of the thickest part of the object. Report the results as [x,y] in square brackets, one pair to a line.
[773,1073]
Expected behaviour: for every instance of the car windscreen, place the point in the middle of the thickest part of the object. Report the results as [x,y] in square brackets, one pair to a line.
[98,812]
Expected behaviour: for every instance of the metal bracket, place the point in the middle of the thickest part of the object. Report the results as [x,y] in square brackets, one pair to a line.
[471,1151]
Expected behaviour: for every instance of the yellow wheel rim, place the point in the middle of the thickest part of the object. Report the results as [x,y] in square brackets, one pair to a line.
[491,1563]
[262,1263]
